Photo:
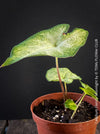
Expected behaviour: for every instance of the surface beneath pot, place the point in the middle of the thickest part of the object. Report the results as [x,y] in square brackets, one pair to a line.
[53,110]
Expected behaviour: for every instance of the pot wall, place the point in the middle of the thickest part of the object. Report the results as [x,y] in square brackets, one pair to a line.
[48,127]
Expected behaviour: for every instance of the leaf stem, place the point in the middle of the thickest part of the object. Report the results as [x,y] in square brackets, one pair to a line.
[61,84]
[78,106]
[65,85]
[79,98]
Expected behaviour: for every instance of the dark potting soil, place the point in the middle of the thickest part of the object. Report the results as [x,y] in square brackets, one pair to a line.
[53,110]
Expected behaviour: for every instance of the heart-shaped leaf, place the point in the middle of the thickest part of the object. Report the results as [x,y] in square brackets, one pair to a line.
[66,75]
[88,90]
[51,42]
[70,104]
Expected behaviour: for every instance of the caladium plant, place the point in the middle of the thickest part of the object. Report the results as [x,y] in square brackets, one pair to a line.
[58,43]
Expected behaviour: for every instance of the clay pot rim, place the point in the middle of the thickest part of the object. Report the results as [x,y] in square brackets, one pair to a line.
[96,119]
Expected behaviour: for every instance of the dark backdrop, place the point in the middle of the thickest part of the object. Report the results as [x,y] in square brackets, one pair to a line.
[24,81]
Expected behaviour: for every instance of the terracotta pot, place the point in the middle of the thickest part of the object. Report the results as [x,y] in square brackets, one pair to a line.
[48,127]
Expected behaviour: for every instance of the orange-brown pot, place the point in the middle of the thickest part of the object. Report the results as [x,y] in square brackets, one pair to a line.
[48,127]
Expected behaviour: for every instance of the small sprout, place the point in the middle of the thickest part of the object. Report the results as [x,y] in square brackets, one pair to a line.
[88,90]
[77,106]
[88,87]
[70,104]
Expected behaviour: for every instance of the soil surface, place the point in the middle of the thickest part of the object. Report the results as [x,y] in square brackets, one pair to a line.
[53,110]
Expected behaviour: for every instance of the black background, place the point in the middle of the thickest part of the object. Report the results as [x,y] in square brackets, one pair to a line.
[24,81]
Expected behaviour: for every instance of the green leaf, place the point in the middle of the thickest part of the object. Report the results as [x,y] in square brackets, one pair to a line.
[88,90]
[70,104]
[89,93]
[66,75]
[50,42]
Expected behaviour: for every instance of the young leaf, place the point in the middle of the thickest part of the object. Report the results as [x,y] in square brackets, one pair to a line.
[70,104]
[88,90]
[66,75]
[50,42]
[88,87]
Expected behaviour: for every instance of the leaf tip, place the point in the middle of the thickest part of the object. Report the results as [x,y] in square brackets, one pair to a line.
[1,66]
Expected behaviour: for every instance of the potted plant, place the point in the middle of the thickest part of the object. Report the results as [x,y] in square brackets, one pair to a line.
[65,112]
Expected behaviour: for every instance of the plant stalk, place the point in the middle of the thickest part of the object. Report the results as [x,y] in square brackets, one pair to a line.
[78,106]
[79,98]
[65,90]
[61,84]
